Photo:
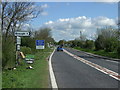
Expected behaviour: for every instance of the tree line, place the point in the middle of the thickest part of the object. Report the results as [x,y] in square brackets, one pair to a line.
[107,39]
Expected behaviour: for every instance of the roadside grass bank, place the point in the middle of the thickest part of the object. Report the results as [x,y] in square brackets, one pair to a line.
[29,78]
[100,52]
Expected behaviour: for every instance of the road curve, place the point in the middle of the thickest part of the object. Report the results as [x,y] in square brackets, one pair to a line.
[71,73]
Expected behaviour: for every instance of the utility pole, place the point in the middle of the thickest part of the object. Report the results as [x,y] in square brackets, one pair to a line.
[80,35]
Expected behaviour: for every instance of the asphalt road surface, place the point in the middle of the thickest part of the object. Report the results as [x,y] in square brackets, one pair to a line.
[72,73]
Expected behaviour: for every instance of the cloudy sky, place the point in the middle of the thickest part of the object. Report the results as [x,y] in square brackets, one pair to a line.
[67,19]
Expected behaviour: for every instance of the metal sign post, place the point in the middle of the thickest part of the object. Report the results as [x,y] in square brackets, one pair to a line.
[18,42]
[19,34]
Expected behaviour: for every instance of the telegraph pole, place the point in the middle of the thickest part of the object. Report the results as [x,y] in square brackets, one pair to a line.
[80,35]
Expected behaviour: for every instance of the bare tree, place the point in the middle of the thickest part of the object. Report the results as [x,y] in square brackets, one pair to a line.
[45,34]
[15,13]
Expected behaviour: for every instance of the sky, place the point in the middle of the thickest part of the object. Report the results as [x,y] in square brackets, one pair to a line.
[67,19]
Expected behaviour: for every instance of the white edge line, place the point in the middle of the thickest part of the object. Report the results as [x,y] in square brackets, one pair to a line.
[52,76]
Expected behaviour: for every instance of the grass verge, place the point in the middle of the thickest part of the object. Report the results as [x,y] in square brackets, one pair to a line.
[29,78]
[100,52]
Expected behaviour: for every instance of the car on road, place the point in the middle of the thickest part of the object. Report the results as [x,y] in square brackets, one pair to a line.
[59,48]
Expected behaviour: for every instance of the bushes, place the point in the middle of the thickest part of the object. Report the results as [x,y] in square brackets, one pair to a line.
[26,50]
[118,49]
[99,43]
[28,42]
[89,44]
[111,45]
[8,53]
[107,40]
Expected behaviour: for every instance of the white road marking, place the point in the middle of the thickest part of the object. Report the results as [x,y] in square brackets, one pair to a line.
[90,54]
[112,61]
[52,76]
[96,66]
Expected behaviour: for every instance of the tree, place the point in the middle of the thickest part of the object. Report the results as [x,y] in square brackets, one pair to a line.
[118,36]
[61,42]
[28,42]
[107,39]
[99,43]
[15,13]
[44,34]
[89,44]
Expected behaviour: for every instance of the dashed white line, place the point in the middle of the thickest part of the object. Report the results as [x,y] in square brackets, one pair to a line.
[96,66]
[112,61]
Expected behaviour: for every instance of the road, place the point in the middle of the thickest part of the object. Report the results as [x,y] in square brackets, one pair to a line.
[72,73]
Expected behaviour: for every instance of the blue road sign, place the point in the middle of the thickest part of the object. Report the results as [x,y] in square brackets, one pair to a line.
[40,42]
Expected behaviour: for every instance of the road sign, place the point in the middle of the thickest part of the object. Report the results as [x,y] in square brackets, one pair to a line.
[22,33]
[40,47]
[18,47]
[40,44]
[18,40]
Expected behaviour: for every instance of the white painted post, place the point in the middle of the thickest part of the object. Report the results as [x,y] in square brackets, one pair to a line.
[18,42]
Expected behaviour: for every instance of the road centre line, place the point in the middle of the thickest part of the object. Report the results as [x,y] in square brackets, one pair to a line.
[96,66]
[112,61]
[93,55]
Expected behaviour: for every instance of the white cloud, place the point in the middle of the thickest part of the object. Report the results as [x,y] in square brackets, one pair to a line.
[69,28]
[104,21]
[50,22]
[63,20]
[30,16]
[44,13]
[26,25]
[44,6]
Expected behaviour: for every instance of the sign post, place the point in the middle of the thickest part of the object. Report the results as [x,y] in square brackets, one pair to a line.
[19,34]
[18,42]
[22,33]
[40,44]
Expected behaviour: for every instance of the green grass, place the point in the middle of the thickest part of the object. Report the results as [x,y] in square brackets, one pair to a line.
[29,78]
[100,52]
[29,56]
